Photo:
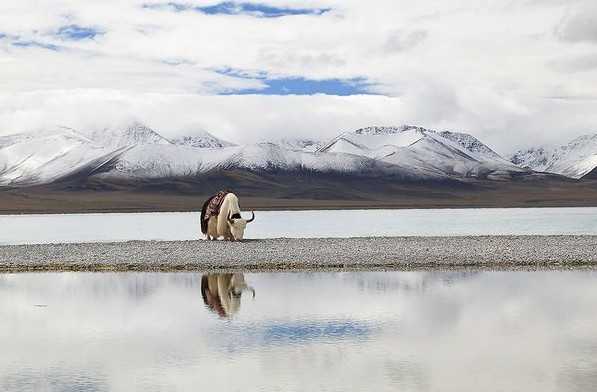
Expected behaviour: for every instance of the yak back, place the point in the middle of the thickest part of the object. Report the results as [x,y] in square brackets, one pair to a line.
[211,207]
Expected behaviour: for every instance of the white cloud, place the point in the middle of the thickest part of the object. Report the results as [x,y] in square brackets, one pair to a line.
[492,69]
[580,23]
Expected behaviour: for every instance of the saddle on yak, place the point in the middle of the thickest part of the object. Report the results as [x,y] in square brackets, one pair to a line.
[210,208]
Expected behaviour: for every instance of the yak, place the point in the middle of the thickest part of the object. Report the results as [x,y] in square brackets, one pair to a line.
[228,223]
[222,292]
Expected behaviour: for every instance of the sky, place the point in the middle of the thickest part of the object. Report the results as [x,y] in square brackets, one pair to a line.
[514,73]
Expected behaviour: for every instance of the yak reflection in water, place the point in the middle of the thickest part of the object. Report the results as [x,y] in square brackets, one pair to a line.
[222,292]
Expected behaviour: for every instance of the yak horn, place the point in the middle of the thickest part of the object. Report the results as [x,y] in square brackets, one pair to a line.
[243,288]
[252,217]
[229,219]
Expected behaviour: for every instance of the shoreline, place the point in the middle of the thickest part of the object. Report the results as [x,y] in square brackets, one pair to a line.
[277,192]
[285,208]
[316,254]
[330,206]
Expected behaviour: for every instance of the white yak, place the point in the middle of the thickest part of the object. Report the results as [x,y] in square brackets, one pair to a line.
[229,223]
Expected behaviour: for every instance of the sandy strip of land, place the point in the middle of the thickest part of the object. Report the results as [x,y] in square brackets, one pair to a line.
[317,253]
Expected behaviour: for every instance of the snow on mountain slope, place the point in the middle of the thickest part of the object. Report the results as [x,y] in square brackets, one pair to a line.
[575,159]
[373,141]
[138,151]
[132,135]
[471,144]
[29,159]
[435,154]
[270,156]
[43,157]
[427,151]
[151,161]
[298,144]
[536,158]
[201,139]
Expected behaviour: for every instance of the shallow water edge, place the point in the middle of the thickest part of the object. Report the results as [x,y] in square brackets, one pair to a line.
[76,228]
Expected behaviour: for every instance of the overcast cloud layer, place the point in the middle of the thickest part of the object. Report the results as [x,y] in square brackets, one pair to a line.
[512,73]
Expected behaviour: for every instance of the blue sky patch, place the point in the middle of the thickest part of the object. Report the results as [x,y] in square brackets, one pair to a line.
[75,32]
[172,6]
[35,44]
[177,61]
[302,86]
[260,10]
[299,85]
[236,8]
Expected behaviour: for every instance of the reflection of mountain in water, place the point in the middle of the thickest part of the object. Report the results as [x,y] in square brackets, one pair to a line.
[140,285]
[134,285]
[222,292]
[409,281]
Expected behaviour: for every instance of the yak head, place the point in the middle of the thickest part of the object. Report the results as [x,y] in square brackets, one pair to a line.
[231,295]
[237,226]
[237,285]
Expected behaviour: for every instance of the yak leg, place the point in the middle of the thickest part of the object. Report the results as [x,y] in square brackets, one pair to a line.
[212,232]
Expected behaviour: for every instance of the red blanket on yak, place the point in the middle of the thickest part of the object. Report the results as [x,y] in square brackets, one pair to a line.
[210,208]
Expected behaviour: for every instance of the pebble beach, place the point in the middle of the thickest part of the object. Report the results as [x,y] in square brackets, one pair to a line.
[495,252]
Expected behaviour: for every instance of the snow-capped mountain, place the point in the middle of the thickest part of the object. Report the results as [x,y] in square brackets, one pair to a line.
[429,152]
[535,158]
[133,135]
[373,142]
[139,152]
[575,159]
[201,139]
[471,143]
[298,144]
[28,159]
[151,161]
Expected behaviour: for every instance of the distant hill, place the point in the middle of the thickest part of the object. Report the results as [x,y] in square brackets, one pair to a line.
[575,159]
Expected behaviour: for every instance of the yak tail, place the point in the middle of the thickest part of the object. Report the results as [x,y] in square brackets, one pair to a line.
[203,211]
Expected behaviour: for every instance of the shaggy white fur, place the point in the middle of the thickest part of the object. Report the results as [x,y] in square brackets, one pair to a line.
[228,208]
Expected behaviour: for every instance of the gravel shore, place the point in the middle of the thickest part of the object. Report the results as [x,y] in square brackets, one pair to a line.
[283,254]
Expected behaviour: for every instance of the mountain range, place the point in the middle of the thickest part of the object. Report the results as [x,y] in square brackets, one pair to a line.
[406,153]
[576,159]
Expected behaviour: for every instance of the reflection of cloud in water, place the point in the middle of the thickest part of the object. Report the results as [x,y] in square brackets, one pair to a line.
[487,331]
[409,375]
[59,380]
[577,376]
[579,372]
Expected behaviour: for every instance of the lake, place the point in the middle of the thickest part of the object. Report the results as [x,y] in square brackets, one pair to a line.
[344,331]
[26,229]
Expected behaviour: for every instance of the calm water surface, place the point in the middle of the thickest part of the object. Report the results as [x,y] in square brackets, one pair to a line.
[25,229]
[369,331]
